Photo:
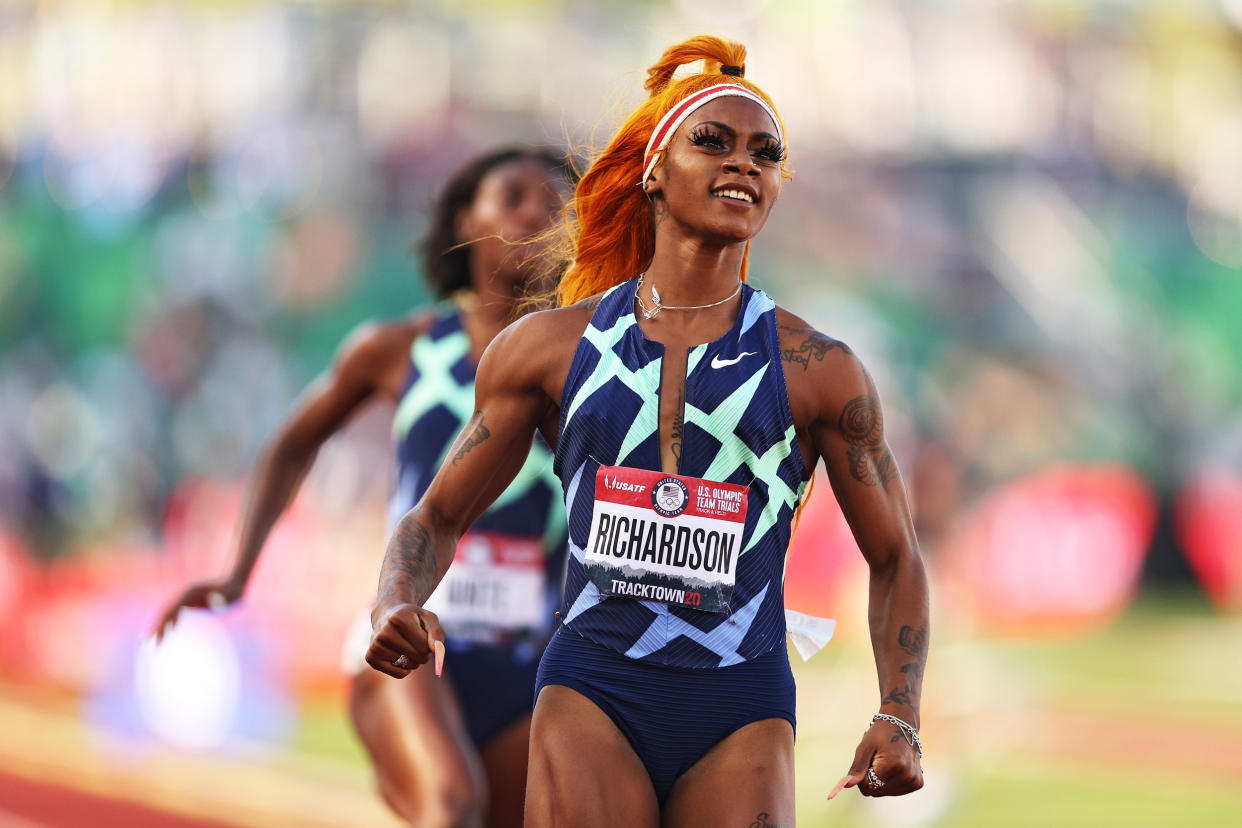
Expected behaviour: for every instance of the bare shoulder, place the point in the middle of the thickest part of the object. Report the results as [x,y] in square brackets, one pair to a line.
[377,336]
[822,374]
[537,349]
[377,349]
[551,329]
[805,349]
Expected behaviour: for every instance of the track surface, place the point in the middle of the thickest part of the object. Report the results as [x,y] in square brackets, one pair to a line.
[25,803]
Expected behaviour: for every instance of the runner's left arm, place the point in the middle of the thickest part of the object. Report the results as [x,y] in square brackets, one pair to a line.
[848,434]
[488,453]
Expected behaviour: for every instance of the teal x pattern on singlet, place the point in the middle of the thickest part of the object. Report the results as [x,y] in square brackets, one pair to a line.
[738,429]
[437,401]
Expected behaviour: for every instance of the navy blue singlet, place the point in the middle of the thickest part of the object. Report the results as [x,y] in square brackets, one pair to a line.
[738,429]
[493,667]
[631,656]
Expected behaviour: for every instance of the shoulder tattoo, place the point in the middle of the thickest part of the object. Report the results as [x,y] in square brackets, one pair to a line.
[812,347]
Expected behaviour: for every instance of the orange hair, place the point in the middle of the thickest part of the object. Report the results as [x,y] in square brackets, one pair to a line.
[611,233]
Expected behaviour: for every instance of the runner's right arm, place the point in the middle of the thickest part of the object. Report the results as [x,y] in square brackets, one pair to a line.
[368,363]
[512,400]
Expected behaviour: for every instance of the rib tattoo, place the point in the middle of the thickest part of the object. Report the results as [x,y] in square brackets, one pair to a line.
[862,426]
[678,425]
[478,435]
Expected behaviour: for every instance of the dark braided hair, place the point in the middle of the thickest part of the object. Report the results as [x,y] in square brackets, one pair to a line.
[445,264]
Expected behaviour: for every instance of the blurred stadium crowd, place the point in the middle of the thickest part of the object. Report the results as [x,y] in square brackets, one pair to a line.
[1026,217]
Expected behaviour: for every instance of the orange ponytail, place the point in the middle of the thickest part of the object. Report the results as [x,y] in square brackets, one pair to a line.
[611,235]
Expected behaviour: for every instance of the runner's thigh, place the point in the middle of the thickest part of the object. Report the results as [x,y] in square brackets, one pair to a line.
[417,740]
[746,780]
[583,771]
[504,759]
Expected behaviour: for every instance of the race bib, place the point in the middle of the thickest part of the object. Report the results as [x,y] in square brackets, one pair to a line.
[495,581]
[663,537]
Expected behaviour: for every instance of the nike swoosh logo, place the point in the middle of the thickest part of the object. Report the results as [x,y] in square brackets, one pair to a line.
[717,362]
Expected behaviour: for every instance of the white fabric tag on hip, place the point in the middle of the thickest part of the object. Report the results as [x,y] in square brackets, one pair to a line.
[809,633]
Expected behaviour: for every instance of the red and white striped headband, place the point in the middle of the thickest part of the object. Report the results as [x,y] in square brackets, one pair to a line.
[673,118]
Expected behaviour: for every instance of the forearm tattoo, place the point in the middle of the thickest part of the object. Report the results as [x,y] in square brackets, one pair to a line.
[914,642]
[862,426]
[478,435]
[815,347]
[409,564]
[761,821]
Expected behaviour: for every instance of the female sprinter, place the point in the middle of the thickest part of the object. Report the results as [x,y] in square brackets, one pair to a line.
[687,412]
[445,753]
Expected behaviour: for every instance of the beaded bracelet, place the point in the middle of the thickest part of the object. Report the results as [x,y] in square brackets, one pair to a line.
[907,730]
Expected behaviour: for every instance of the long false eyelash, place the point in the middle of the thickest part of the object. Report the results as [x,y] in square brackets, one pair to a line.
[704,135]
[771,151]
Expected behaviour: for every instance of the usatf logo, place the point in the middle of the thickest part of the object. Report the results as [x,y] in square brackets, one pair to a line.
[670,497]
[618,483]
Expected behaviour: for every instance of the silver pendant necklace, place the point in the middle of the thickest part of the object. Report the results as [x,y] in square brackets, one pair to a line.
[649,312]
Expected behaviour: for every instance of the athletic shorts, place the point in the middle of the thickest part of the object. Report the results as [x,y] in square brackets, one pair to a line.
[671,715]
[494,682]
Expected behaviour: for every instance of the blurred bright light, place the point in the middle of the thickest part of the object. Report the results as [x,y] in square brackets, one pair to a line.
[719,16]
[246,69]
[1214,208]
[74,179]
[282,167]
[62,430]
[403,83]
[122,172]
[864,80]
[189,686]
[1217,163]
[14,96]
[1232,9]
[1217,233]
[985,89]
[1121,85]
[508,56]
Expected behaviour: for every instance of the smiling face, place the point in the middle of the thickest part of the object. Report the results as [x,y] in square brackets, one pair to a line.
[721,172]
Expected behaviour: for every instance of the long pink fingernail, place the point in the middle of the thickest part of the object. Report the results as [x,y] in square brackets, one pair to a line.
[839,786]
[438,647]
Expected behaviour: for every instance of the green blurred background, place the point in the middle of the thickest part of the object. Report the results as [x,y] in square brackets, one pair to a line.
[1026,217]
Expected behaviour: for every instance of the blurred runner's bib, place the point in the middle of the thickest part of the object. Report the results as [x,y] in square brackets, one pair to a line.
[664,537]
[496,581]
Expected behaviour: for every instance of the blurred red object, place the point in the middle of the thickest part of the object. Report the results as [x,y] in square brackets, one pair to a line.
[15,573]
[17,577]
[824,573]
[1209,530]
[313,577]
[1058,551]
